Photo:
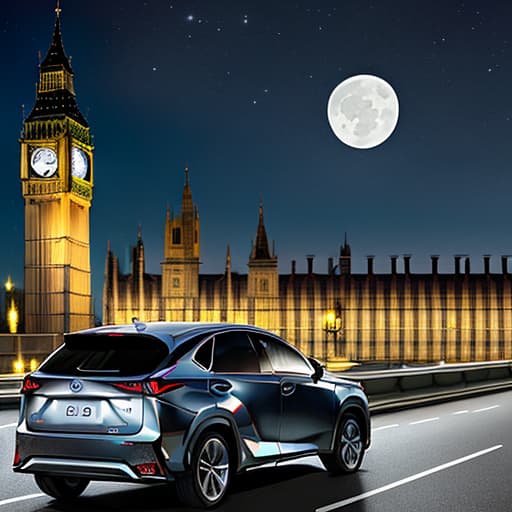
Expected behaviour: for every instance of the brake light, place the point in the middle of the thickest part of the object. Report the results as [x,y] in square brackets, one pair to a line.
[157,387]
[29,385]
[149,468]
[17,458]
[133,387]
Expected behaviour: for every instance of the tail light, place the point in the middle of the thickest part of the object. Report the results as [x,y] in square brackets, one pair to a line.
[133,387]
[159,386]
[17,458]
[148,469]
[29,385]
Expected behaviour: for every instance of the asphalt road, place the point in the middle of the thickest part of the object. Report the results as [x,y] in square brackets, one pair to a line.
[455,456]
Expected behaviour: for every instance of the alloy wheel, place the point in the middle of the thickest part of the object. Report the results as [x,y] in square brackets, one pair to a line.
[213,469]
[351,445]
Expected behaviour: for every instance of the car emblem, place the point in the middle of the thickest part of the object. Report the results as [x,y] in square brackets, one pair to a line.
[76,386]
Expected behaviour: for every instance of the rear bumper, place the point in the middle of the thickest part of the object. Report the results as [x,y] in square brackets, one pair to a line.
[90,456]
[90,469]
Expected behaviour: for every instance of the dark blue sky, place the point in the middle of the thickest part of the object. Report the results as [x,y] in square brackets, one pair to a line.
[239,91]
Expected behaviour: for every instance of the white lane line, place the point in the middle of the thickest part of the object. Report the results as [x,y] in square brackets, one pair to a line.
[384,427]
[21,498]
[486,408]
[465,411]
[424,421]
[8,425]
[412,478]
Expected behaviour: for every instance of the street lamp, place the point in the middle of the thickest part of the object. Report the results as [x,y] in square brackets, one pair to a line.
[11,309]
[332,325]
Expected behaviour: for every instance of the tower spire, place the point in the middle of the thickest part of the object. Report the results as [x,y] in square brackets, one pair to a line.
[187,180]
[56,56]
[187,206]
[55,92]
[260,249]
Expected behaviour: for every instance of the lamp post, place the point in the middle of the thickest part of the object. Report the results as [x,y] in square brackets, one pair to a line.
[11,311]
[332,325]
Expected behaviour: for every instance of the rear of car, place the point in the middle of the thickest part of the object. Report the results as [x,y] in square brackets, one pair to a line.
[190,402]
[89,411]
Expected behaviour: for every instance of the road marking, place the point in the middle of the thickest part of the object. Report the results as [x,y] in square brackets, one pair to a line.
[412,478]
[384,427]
[465,411]
[8,425]
[21,498]
[424,421]
[486,408]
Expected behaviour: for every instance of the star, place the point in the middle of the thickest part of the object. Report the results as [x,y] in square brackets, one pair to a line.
[190,17]
[154,68]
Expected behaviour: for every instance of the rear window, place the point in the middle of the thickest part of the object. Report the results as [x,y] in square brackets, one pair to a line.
[112,356]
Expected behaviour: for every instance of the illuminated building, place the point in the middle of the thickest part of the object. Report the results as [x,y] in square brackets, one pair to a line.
[57,178]
[397,316]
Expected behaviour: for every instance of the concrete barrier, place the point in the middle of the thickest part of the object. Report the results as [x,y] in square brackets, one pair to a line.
[23,352]
[390,389]
[411,387]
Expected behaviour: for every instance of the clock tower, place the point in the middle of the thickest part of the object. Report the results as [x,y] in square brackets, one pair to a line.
[57,179]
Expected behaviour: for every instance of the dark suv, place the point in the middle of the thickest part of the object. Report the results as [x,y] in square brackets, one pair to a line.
[190,402]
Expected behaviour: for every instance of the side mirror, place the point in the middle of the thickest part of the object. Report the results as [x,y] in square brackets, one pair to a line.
[318,367]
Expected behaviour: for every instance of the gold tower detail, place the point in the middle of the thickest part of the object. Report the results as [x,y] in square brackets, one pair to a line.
[180,268]
[57,179]
[263,281]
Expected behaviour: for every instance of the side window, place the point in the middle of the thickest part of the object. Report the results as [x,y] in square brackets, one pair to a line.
[203,356]
[283,358]
[234,353]
[263,359]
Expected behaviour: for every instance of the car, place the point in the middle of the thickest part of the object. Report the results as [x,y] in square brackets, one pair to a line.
[194,403]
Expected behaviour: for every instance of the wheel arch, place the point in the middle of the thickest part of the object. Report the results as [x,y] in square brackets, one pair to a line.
[223,425]
[357,407]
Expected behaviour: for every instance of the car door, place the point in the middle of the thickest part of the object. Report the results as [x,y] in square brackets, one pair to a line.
[251,395]
[307,407]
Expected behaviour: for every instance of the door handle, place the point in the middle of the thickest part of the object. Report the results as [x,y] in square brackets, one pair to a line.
[287,388]
[220,387]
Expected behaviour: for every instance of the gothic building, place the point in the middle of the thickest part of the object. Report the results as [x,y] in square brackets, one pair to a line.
[56,170]
[461,316]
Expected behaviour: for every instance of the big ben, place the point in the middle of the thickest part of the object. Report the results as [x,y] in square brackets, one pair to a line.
[57,179]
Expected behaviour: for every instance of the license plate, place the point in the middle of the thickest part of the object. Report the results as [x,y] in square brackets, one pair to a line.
[82,411]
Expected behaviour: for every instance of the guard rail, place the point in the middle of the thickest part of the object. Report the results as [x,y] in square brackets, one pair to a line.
[390,389]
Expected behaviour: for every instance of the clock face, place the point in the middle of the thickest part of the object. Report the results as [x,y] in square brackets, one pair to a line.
[44,162]
[79,163]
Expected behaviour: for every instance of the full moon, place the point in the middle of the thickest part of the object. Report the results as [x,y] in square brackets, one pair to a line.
[363,111]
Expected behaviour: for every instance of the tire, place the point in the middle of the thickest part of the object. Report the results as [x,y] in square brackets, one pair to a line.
[348,447]
[61,487]
[207,482]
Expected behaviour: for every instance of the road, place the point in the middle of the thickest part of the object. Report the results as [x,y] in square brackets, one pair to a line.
[455,456]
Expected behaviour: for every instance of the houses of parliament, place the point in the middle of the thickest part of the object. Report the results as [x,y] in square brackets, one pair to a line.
[399,315]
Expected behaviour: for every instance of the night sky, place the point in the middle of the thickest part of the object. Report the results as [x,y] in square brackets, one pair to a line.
[239,91]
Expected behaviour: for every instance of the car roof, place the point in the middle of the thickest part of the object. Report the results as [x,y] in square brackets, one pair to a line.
[177,332]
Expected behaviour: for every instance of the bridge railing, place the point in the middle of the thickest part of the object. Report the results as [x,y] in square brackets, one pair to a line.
[391,389]
[414,386]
